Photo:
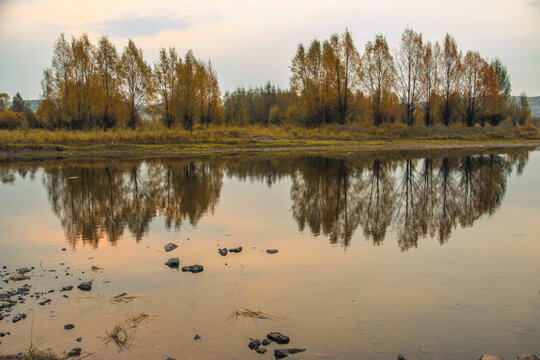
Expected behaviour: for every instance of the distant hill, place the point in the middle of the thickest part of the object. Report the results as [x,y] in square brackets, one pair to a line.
[534,104]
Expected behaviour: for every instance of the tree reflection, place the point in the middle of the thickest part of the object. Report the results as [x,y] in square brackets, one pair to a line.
[331,196]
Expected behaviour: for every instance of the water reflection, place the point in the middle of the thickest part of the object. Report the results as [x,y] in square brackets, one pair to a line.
[333,196]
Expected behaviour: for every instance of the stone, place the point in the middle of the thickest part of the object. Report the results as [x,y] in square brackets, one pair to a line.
[261,351]
[66,288]
[236,250]
[79,339]
[64,249]
[120,295]
[85,286]
[272,251]
[278,338]
[74,352]
[401,357]
[223,252]
[193,268]
[69,327]
[170,247]
[45,302]
[266,342]
[173,262]
[281,353]
[527,357]
[197,337]
[18,317]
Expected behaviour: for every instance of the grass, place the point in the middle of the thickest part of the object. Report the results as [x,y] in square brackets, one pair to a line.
[18,277]
[123,333]
[247,313]
[33,353]
[36,143]
[123,299]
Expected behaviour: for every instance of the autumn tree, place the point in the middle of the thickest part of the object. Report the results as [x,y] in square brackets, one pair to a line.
[500,108]
[450,74]
[4,101]
[84,84]
[430,80]
[106,62]
[376,74]
[408,72]
[136,82]
[165,70]
[524,114]
[62,63]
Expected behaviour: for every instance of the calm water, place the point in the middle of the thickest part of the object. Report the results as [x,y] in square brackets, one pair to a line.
[428,256]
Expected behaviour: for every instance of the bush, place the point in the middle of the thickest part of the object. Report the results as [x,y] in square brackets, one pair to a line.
[9,120]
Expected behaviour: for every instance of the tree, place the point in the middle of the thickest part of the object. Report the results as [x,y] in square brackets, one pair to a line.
[524,110]
[18,105]
[450,73]
[136,82]
[501,107]
[430,80]
[62,72]
[408,72]
[165,70]
[376,74]
[4,101]
[106,58]
[343,59]
[84,82]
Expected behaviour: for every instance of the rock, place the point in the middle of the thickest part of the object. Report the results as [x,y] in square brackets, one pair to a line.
[18,317]
[193,268]
[272,251]
[197,337]
[223,252]
[173,262]
[527,357]
[169,358]
[254,344]
[490,357]
[64,249]
[69,327]
[278,338]
[281,353]
[266,342]
[401,357]
[79,339]
[85,286]
[45,302]
[261,351]
[236,250]
[2,334]
[74,352]
[65,296]
[121,295]
[170,247]
[66,288]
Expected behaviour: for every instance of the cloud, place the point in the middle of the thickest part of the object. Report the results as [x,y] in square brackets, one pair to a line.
[141,26]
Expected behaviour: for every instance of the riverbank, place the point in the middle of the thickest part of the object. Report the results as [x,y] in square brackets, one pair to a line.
[144,143]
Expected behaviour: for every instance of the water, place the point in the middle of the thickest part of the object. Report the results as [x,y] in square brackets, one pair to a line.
[424,255]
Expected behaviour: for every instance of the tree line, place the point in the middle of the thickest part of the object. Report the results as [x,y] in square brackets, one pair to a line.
[91,86]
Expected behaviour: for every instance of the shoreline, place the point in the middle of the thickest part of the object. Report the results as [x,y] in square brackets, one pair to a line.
[22,152]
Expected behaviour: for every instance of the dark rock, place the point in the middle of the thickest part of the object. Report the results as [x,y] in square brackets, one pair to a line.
[64,249]
[193,268]
[69,327]
[74,352]
[197,337]
[401,357]
[79,339]
[236,250]
[173,262]
[66,288]
[65,296]
[18,317]
[223,252]
[261,351]
[45,302]
[254,344]
[2,334]
[266,342]
[278,338]
[170,358]
[50,291]
[85,286]
[281,353]
[170,247]
[272,251]
[121,295]
[527,357]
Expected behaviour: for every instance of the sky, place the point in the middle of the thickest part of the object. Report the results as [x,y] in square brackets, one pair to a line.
[250,42]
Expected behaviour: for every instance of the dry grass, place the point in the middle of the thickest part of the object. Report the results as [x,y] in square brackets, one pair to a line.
[123,333]
[259,135]
[33,353]
[18,277]
[123,299]
[253,314]
[96,269]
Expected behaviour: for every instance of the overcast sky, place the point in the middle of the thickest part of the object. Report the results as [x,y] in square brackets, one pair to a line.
[250,42]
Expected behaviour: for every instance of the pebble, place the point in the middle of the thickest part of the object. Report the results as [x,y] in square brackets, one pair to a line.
[170,247]
[278,338]
[193,268]
[69,327]
[272,251]
[173,262]
[197,337]
[85,286]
